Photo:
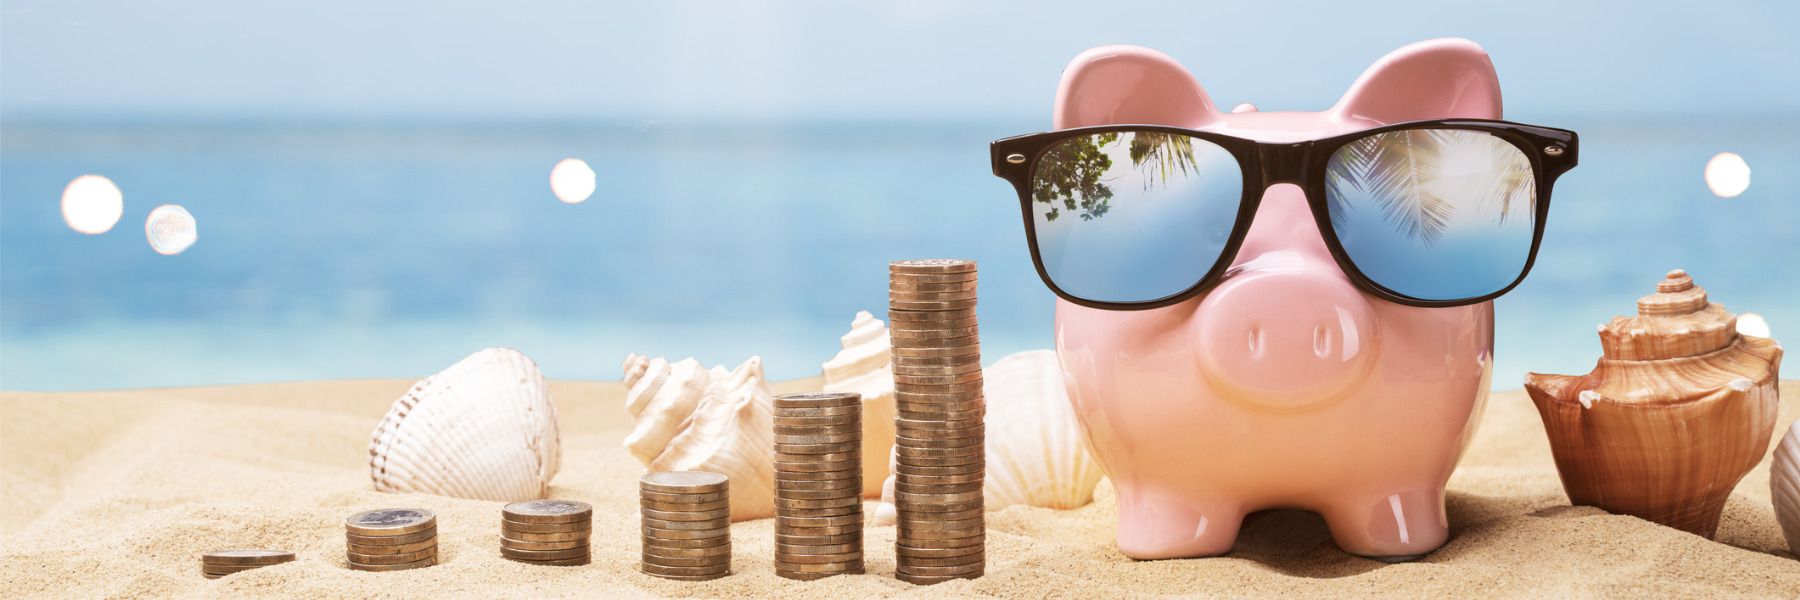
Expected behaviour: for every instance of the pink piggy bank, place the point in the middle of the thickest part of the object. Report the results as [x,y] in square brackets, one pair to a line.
[1339,374]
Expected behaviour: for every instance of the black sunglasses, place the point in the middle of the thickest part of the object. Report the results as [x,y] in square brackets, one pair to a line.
[1434,213]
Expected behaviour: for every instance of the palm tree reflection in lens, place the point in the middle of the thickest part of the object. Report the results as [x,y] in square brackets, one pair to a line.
[1424,180]
[1074,172]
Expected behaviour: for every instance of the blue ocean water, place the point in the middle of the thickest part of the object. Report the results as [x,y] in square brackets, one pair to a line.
[350,250]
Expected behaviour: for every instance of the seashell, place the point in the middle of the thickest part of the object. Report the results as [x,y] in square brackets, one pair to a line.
[864,367]
[1678,409]
[693,419]
[483,429]
[1036,453]
[1784,487]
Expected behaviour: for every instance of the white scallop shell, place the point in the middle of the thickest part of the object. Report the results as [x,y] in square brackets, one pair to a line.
[1784,487]
[483,429]
[864,367]
[719,421]
[1036,454]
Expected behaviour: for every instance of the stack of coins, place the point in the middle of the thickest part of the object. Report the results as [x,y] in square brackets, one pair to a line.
[687,525]
[939,437]
[220,563]
[547,532]
[818,485]
[391,539]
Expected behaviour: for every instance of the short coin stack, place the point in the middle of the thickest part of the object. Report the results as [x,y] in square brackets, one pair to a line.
[547,532]
[818,485]
[939,436]
[391,539]
[687,525]
[220,563]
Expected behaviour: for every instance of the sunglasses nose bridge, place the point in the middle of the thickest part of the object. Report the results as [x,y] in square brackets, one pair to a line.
[1282,162]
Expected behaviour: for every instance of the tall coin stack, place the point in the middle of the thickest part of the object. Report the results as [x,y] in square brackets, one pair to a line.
[687,525]
[547,532]
[818,485]
[391,539]
[220,563]
[939,437]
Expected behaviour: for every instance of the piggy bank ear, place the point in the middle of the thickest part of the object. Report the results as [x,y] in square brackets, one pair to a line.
[1128,84]
[1435,79]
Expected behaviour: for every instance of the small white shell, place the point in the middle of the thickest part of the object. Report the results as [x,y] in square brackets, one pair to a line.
[1784,487]
[1036,454]
[690,419]
[483,429]
[864,367]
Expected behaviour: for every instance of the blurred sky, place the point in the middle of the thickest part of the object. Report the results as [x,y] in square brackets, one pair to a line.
[716,60]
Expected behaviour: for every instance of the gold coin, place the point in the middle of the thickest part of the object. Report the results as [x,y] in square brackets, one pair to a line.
[808,440]
[685,506]
[940,324]
[400,549]
[849,520]
[953,561]
[684,498]
[935,352]
[680,482]
[804,503]
[924,580]
[830,411]
[391,559]
[917,506]
[398,567]
[945,433]
[819,448]
[934,361]
[215,572]
[894,296]
[656,569]
[848,492]
[938,411]
[783,421]
[811,485]
[711,542]
[781,565]
[787,471]
[392,540]
[798,576]
[913,552]
[963,542]
[689,562]
[937,498]
[818,399]
[936,370]
[562,536]
[977,414]
[828,457]
[710,515]
[719,523]
[845,429]
[961,515]
[524,545]
[517,527]
[957,379]
[932,265]
[928,316]
[937,388]
[917,479]
[819,540]
[685,534]
[927,444]
[547,511]
[801,559]
[916,524]
[571,562]
[390,521]
[835,511]
[964,570]
[782,528]
[246,556]
[940,471]
[544,554]
[910,337]
[953,286]
[943,305]
[693,577]
[936,423]
[721,550]
[941,457]
[923,343]
[817,466]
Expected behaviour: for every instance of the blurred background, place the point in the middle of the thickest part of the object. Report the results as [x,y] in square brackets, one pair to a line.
[368,192]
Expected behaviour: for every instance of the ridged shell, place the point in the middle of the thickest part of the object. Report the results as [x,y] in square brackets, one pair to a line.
[1784,487]
[1036,454]
[863,366]
[719,421]
[483,429]
[1678,410]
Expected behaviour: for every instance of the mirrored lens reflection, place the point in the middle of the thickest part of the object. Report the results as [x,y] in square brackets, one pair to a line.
[1133,216]
[1436,214]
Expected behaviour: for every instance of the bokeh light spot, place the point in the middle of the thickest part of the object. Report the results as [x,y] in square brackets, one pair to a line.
[91,204]
[572,180]
[1727,175]
[170,229]
[1753,324]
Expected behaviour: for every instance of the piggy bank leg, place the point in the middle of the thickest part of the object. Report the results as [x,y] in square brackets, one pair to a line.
[1394,527]
[1156,524]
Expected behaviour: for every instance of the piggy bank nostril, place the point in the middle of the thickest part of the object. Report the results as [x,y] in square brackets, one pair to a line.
[1255,339]
[1321,340]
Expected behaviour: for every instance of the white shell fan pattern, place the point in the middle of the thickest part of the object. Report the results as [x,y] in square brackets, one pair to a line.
[483,429]
[694,419]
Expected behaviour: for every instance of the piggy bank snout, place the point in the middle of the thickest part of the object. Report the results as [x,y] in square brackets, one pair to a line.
[1286,333]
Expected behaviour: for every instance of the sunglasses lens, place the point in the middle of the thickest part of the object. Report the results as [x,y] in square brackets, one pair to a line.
[1436,214]
[1133,216]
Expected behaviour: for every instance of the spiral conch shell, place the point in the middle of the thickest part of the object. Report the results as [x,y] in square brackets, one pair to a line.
[1035,451]
[1784,487]
[863,366]
[1677,411]
[694,419]
[483,429]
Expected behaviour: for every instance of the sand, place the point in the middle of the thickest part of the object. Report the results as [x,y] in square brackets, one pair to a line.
[116,494]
